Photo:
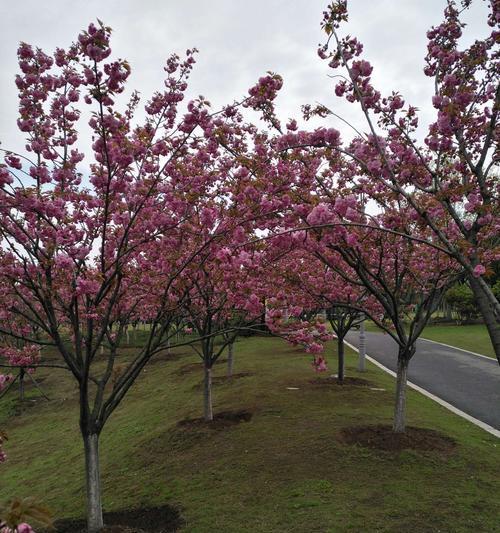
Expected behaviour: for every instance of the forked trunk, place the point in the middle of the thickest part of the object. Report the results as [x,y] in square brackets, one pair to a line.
[94,505]
[230,360]
[399,425]
[207,394]
[489,307]
[341,365]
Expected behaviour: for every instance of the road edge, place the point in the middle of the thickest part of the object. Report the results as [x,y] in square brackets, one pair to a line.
[457,348]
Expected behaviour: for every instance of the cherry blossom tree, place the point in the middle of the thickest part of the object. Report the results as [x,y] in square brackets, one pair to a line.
[390,256]
[308,281]
[408,279]
[220,284]
[79,240]
[451,180]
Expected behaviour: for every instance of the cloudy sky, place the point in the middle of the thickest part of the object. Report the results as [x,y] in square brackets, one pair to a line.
[238,42]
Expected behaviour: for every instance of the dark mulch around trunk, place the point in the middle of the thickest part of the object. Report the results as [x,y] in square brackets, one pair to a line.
[187,369]
[220,380]
[195,367]
[165,357]
[348,381]
[381,437]
[191,431]
[163,519]
[221,420]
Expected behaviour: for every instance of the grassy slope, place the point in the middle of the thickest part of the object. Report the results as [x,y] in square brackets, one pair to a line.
[284,471]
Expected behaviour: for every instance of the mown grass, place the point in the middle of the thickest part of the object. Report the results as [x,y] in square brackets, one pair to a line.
[473,337]
[284,471]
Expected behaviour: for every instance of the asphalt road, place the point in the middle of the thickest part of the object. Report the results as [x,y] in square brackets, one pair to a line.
[466,381]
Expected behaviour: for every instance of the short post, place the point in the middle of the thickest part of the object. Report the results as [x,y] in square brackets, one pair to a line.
[362,345]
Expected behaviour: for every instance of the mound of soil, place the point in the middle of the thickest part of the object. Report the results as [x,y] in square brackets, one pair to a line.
[187,369]
[348,381]
[195,367]
[220,380]
[381,437]
[165,357]
[221,420]
[163,519]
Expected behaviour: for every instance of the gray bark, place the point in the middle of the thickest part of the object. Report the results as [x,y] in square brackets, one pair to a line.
[341,365]
[488,305]
[21,384]
[207,395]
[230,359]
[94,505]
[399,425]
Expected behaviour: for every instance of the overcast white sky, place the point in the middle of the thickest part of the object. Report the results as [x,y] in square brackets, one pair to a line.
[238,42]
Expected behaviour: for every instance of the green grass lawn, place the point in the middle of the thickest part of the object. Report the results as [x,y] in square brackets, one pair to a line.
[284,471]
[472,337]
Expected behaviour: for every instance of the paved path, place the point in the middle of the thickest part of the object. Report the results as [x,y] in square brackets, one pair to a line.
[468,382]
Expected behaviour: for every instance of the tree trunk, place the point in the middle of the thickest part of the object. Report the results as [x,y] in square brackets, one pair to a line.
[207,394]
[94,505]
[230,360]
[21,385]
[489,311]
[341,365]
[399,425]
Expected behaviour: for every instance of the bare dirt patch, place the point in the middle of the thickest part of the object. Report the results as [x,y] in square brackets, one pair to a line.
[221,420]
[218,380]
[190,431]
[165,357]
[381,437]
[195,367]
[348,381]
[188,368]
[163,519]
[221,380]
